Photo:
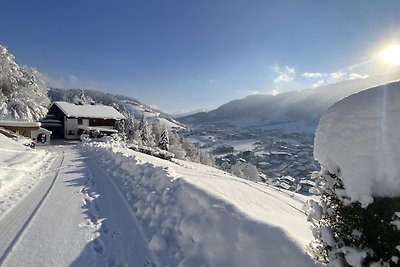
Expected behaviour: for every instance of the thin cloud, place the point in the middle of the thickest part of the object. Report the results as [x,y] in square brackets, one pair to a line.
[337,76]
[313,75]
[68,81]
[318,83]
[318,79]
[72,78]
[285,74]
[354,76]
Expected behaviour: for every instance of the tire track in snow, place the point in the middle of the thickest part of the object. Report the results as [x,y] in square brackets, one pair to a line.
[116,239]
[16,215]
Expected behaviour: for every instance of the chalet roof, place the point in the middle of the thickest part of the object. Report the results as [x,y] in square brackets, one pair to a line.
[19,123]
[88,111]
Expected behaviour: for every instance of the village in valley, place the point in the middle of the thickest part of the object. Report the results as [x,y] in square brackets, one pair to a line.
[283,159]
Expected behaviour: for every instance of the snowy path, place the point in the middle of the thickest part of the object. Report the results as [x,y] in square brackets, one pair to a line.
[74,216]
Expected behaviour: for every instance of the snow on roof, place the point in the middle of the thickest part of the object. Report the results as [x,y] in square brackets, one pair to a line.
[360,134]
[289,178]
[88,111]
[100,129]
[19,123]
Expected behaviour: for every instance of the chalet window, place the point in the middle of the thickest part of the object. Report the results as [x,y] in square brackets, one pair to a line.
[80,121]
[71,132]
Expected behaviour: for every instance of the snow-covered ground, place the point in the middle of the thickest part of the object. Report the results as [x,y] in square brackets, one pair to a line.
[194,215]
[20,169]
[105,205]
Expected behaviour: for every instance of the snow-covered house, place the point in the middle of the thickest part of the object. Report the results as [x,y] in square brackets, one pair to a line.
[70,120]
[306,185]
[29,129]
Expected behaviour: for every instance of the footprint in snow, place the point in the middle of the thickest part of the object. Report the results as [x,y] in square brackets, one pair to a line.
[104,229]
[115,234]
[98,246]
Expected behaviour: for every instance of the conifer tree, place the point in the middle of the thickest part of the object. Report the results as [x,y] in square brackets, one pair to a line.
[80,99]
[164,139]
[144,132]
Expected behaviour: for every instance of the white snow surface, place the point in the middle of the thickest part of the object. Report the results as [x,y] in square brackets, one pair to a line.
[195,215]
[361,135]
[101,204]
[151,115]
[21,168]
[19,123]
[88,111]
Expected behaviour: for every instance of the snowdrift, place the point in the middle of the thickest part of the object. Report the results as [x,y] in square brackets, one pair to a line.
[361,135]
[193,215]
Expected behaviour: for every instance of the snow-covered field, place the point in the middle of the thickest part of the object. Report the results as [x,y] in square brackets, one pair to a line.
[104,205]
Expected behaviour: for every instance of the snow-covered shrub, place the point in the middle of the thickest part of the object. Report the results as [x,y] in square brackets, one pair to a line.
[348,234]
[357,143]
[156,152]
[245,170]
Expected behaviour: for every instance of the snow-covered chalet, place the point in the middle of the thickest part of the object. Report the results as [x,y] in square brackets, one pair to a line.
[69,120]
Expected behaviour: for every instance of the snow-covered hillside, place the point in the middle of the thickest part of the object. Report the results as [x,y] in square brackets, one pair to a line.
[194,215]
[296,111]
[151,115]
[102,204]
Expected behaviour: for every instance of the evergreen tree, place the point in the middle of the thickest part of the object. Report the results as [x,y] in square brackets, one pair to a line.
[130,127]
[120,127]
[163,142]
[145,133]
[80,99]
[175,146]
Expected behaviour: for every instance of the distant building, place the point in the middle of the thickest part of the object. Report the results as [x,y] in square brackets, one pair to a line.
[28,129]
[306,185]
[69,121]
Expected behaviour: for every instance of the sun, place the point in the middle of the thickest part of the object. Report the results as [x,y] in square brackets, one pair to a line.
[391,54]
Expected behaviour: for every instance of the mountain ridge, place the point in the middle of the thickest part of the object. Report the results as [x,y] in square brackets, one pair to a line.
[293,111]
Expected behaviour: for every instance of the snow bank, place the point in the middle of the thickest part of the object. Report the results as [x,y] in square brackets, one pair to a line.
[20,169]
[361,135]
[186,225]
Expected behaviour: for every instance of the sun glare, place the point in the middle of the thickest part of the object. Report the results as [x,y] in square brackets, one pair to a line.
[391,54]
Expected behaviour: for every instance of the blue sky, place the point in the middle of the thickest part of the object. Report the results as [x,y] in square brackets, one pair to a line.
[185,55]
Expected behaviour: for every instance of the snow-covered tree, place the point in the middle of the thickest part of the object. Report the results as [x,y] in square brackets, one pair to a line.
[163,142]
[157,129]
[206,158]
[175,146]
[120,127]
[145,132]
[245,170]
[251,173]
[81,99]
[130,127]
[357,218]
[23,94]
